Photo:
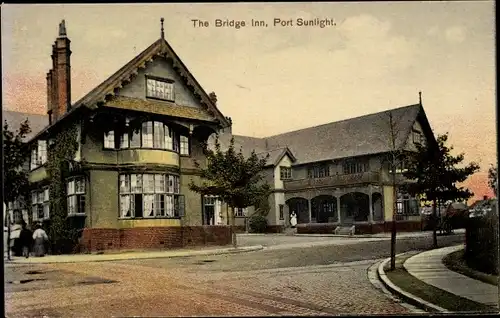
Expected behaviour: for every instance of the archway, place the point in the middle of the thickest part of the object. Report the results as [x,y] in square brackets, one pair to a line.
[301,207]
[378,207]
[355,207]
[324,209]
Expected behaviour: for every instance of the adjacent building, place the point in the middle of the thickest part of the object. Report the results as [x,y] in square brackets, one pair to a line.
[338,174]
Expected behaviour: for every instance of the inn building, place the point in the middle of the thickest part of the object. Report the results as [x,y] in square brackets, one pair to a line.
[140,132]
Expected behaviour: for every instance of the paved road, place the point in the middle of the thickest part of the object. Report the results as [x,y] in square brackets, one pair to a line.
[291,281]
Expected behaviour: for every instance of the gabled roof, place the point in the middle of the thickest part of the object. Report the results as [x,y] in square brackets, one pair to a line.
[364,135]
[275,155]
[14,119]
[102,92]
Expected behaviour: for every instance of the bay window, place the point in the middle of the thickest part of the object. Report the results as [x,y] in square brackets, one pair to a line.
[151,134]
[76,196]
[150,196]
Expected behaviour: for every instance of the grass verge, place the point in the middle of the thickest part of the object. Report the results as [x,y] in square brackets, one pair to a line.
[456,262]
[407,282]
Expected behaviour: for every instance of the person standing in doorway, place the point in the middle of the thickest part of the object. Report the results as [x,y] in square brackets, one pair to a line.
[293,219]
[26,240]
[40,238]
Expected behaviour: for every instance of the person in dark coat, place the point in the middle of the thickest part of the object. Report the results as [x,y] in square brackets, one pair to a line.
[26,240]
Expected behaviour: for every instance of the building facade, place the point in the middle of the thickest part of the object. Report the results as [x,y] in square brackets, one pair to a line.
[339,174]
[139,135]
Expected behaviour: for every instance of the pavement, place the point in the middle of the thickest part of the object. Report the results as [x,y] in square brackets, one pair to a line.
[429,268]
[76,258]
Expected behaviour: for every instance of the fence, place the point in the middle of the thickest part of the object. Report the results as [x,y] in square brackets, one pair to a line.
[481,249]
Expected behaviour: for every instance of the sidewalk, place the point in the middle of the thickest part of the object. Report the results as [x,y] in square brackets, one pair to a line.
[429,268]
[75,258]
[383,235]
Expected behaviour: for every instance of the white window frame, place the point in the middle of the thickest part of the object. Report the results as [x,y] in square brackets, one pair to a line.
[76,190]
[109,140]
[184,145]
[162,89]
[162,191]
[151,135]
[240,212]
[285,173]
[404,202]
[40,204]
[38,154]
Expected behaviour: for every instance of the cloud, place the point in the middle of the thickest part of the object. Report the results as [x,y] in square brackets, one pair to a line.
[433,31]
[455,34]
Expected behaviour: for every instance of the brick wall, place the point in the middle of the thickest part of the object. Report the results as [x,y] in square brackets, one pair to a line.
[153,237]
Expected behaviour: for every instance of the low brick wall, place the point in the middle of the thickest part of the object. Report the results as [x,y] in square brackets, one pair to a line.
[316,228]
[269,229]
[99,239]
[362,228]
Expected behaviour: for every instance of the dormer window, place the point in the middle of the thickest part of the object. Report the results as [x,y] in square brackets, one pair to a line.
[159,88]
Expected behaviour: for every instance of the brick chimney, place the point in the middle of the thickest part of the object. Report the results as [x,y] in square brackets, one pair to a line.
[59,78]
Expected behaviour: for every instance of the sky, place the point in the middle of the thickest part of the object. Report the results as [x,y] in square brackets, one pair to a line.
[275,79]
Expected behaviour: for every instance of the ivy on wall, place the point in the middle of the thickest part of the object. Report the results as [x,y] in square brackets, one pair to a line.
[60,155]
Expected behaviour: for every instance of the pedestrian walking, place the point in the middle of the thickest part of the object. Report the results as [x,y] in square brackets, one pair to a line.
[25,239]
[40,237]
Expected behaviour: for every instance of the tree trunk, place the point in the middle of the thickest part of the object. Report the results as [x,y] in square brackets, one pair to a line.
[8,235]
[434,227]
[233,227]
[393,228]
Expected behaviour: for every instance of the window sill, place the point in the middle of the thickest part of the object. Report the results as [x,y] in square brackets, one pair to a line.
[141,148]
[38,167]
[160,99]
[77,215]
[150,218]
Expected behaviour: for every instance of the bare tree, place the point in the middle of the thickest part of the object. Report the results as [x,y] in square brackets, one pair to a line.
[395,158]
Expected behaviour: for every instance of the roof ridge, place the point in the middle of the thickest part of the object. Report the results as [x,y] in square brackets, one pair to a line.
[274,149]
[342,120]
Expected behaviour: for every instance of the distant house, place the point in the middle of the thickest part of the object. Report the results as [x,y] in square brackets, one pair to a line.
[338,174]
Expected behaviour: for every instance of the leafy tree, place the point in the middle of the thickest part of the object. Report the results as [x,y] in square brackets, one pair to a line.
[493,178]
[15,177]
[436,174]
[236,180]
